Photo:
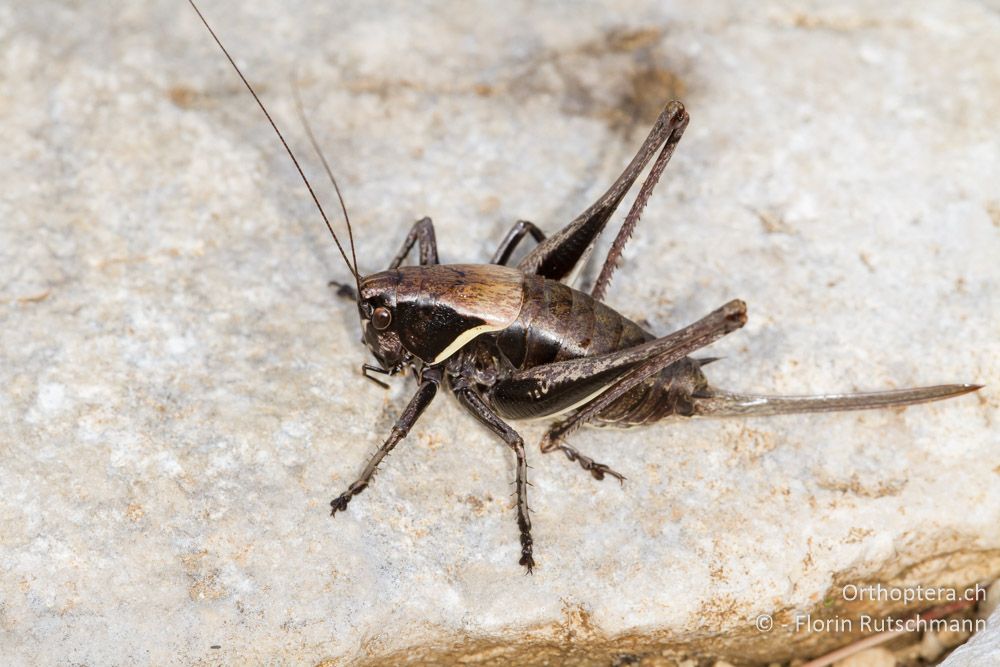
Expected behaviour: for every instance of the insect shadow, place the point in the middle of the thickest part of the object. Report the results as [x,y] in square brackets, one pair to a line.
[517,342]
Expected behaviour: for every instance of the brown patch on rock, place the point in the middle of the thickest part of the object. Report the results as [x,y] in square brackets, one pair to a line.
[836,21]
[477,505]
[622,39]
[134,512]
[182,96]
[642,83]
[483,90]
[854,486]
[186,97]
[773,222]
[490,204]
[637,74]
[577,623]
[993,210]
[204,579]
[649,87]
[207,588]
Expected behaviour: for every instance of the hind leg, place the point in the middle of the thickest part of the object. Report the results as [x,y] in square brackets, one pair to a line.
[730,317]
[606,378]
[597,470]
[560,256]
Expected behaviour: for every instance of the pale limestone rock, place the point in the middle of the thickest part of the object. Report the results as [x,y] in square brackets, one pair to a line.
[982,649]
[873,657]
[930,647]
[179,394]
[992,600]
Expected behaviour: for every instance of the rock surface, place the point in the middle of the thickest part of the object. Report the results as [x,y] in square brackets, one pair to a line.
[982,649]
[179,394]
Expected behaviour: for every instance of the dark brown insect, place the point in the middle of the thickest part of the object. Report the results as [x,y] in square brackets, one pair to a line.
[519,343]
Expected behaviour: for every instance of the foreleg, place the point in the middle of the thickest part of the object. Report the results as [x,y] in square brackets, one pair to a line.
[423,397]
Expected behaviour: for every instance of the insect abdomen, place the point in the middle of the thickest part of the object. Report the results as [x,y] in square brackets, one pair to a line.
[668,393]
[558,322]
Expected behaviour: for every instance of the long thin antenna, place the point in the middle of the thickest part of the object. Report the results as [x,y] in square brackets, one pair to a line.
[284,143]
[326,166]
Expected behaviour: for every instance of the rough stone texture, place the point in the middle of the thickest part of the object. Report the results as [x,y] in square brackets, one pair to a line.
[875,657]
[179,394]
[984,647]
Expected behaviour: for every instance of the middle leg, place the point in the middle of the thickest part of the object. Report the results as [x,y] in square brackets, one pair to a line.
[422,232]
[513,238]
[474,404]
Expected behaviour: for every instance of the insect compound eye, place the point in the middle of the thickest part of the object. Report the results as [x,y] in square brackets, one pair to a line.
[381,318]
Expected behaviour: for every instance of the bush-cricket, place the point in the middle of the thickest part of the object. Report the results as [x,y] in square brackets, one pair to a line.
[518,342]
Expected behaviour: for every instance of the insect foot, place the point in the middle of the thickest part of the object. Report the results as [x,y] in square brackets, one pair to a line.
[551,443]
[597,470]
[526,559]
[339,504]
